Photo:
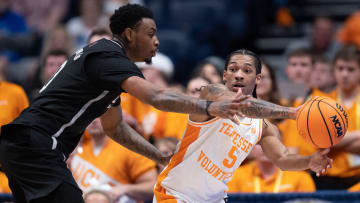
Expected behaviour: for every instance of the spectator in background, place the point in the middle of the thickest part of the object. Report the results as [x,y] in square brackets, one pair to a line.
[43,15]
[210,68]
[321,41]
[10,24]
[99,33]
[346,166]
[111,5]
[194,85]
[322,77]
[263,176]
[298,70]
[166,145]
[97,196]
[103,163]
[12,101]
[51,63]
[267,89]
[58,38]
[156,124]
[91,16]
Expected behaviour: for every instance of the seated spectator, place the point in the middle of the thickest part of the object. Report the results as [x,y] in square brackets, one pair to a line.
[321,39]
[104,163]
[51,63]
[42,16]
[99,33]
[194,85]
[156,124]
[97,196]
[91,16]
[58,38]
[263,176]
[322,78]
[10,24]
[210,68]
[13,101]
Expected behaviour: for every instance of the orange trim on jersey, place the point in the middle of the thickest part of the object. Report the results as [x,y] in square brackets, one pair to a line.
[191,134]
[193,123]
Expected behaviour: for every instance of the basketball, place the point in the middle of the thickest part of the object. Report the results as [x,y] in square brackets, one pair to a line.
[322,122]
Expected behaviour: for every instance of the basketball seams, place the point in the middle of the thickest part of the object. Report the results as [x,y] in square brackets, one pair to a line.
[345,123]
[327,128]
[307,124]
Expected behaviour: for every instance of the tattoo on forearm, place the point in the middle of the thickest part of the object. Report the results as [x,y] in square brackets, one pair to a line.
[264,109]
[175,102]
[130,139]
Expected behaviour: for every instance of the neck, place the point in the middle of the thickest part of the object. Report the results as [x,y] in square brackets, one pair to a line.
[125,47]
[267,168]
[99,140]
[346,94]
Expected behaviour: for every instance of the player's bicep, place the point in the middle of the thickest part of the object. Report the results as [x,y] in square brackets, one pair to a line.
[140,88]
[111,119]
[271,143]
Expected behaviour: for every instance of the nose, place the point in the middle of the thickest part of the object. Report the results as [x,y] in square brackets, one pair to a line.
[239,75]
[157,42]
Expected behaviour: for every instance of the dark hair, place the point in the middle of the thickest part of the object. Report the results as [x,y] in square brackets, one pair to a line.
[55,52]
[257,62]
[301,52]
[274,95]
[348,53]
[99,31]
[321,59]
[128,16]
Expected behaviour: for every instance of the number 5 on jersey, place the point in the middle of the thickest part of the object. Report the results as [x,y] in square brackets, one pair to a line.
[231,159]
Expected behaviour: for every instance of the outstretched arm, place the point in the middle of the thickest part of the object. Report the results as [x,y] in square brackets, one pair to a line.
[277,153]
[255,109]
[122,133]
[167,100]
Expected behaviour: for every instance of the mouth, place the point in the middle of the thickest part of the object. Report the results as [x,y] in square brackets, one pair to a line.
[237,86]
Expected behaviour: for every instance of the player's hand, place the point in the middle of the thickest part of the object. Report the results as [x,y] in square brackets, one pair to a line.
[320,162]
[118,191]
[229,108]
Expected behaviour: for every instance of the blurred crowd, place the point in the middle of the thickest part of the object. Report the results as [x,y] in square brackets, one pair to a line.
[35,39]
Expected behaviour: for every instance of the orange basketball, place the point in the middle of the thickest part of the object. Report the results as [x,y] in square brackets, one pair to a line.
[322,122]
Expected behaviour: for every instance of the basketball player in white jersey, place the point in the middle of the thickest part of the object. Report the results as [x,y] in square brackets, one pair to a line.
[212,148]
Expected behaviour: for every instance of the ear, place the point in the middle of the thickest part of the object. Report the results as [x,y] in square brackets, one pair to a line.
[129,35]
[258,78]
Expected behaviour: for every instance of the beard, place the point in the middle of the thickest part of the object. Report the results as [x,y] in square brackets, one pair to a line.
[148,61]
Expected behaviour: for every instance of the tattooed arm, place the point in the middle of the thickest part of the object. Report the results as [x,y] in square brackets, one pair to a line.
[256,109]
[119,131]
[167,100]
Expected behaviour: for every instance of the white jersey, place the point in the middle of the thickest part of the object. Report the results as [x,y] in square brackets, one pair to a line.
[206,158]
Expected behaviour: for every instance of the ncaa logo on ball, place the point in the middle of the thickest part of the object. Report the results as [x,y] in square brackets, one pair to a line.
[337,125]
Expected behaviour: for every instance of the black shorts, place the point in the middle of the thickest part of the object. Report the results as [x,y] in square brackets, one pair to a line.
[35,170]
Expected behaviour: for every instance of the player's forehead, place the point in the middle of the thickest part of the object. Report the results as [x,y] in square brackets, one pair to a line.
[241,59]
[147,25]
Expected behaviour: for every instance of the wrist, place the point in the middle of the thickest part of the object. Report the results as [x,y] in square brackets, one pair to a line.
[208,103]
[293,113]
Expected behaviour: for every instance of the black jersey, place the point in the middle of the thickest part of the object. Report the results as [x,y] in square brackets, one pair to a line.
[80,91]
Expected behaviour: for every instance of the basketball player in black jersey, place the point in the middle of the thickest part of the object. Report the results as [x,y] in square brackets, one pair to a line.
[34,147]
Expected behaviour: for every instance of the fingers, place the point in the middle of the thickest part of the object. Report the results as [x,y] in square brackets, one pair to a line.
[240,98]
[238,93]
[324,151]
[234,119]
